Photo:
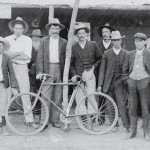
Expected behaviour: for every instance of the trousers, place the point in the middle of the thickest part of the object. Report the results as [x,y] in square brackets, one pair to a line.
[54,92]
[22,77]
[89,86]
[139,91]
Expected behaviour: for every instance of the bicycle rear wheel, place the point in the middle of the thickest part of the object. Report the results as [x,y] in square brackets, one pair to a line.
[97,113]
[17,114]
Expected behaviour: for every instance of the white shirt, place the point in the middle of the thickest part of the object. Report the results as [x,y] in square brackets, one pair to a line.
[139,51]
[1,74]
[116,51]
[106,45]
[54,50]
[20,44]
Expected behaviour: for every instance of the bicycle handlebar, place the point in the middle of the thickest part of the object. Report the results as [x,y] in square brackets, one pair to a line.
[47,75]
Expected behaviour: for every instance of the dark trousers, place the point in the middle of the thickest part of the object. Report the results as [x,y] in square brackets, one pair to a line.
[139,93]
[54,92]
[118,92]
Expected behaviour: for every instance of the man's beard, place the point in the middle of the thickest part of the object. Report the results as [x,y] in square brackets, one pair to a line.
[36,45]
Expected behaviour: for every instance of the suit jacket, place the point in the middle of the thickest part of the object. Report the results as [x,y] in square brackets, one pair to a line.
[94,53]
[102,48]
[8,72]
[129,63]
[32,63]
[42,61]
[107,67]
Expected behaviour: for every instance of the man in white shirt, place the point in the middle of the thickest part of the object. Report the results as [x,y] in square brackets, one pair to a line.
[110,72]
[51,60]
[20,54]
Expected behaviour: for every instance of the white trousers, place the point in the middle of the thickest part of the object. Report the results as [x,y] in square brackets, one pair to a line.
[89,87]
[22,77]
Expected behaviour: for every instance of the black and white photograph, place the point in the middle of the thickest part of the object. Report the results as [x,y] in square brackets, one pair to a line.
[74,74]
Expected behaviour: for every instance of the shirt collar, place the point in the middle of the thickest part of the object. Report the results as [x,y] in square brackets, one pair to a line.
[14,37]
[116,51]
[139,51]
[106,45]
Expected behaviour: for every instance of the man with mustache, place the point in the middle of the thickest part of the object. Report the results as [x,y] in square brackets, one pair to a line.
[51,60]
[85,59]
[104,31]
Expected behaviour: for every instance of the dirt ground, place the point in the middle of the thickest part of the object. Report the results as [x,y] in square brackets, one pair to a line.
[75,139]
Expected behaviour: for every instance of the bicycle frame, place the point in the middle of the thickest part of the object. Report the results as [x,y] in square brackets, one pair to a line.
[66,112]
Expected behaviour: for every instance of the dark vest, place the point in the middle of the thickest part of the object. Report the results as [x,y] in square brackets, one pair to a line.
[85,58]
[117,70]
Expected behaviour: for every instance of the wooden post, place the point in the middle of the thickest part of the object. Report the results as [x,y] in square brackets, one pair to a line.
[68,53]
[51,12]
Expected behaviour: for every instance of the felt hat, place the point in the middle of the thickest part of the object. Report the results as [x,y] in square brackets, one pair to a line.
[54,21]
[81,26]
[99,28]
[18,20]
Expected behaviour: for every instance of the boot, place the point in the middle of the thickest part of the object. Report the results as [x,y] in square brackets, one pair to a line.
[146,137]
[133,127]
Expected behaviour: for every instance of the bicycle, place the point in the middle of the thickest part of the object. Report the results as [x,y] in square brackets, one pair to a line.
[92,118]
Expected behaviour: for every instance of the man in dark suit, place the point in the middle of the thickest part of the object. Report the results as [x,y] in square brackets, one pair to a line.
[104,31]
[136,72]
[85,60]
[110,72]
[5,68]
[51,60]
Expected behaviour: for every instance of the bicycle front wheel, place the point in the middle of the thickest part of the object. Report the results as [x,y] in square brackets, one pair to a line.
[21,119]
[97,113]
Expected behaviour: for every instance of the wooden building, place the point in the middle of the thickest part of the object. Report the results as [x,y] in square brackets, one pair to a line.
[128,19]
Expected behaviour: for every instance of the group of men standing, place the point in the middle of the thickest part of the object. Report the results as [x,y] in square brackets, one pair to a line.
[106,66]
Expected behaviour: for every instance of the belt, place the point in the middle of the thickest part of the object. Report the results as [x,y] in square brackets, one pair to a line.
[1,81]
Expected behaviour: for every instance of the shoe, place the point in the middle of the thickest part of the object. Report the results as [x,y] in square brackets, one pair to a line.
[146,137]
[33,125]
[127,130]
[56,125]
[5,132]
[66,127]
[115,129]
[132,135]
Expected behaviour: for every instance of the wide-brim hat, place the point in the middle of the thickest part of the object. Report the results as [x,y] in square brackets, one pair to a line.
[116,35]
[37,33]
[80,26]
[54,21]
[18,20]
[99,28]
[6,43]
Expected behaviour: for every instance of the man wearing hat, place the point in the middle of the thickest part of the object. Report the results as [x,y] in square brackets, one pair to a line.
[85,59]
[104,31]
[51,60]
[4,81]
[110,72]
[136,72]
[35,36]
[20,54]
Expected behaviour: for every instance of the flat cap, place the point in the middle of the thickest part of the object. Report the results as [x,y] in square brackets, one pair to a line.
[140,36]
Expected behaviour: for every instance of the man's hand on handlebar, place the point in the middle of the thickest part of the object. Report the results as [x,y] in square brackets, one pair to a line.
[75,78]
[99,89]
[39,76]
